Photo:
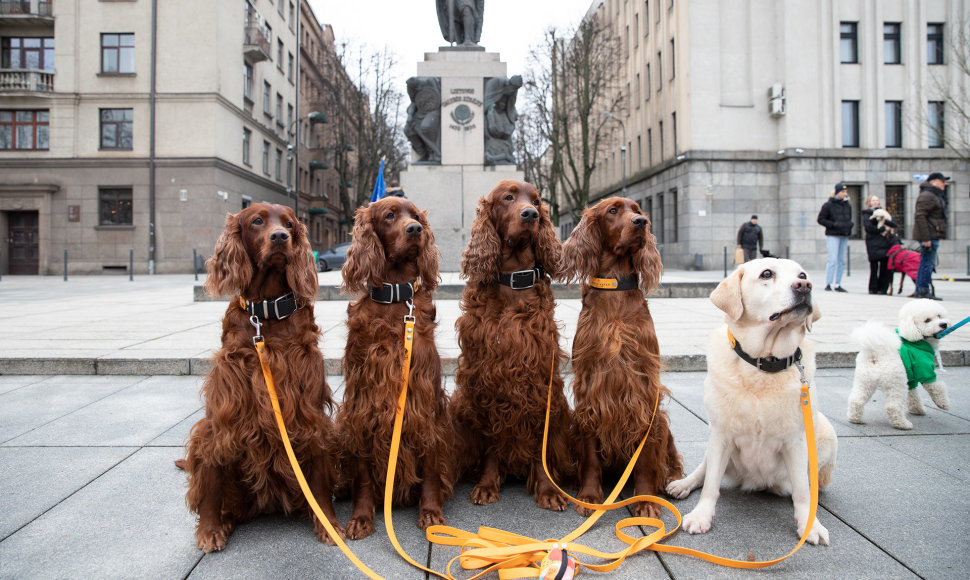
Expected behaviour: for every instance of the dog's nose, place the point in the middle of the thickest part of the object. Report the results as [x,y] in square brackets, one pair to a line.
[279,237]
[529,214]
[802,286]
[944,326]
[639,222]
[413,229]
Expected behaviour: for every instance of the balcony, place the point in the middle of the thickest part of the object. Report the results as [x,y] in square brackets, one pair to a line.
[26,81]
[315,165]
[256,42]
[27,12]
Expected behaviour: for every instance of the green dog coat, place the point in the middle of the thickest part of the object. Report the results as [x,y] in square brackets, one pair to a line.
[919,361]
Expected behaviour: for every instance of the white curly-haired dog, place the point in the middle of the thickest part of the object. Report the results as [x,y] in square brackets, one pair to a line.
[898,362]
[752,395]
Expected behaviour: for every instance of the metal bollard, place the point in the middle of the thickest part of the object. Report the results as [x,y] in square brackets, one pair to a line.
[788,252]
[195,265]
[131,264]
[1,262]
[65,265]
[848,262]
[968,260]
[725,261]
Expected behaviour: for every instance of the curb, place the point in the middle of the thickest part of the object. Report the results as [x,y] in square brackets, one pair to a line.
[199,366]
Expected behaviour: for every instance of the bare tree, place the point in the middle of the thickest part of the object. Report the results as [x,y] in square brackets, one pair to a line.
[951,85]
[570,89]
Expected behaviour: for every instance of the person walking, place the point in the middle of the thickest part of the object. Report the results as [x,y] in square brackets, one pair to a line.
[929,227]
[877,245]
[836,216]
[750,238]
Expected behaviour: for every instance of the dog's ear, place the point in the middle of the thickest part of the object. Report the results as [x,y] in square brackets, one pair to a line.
[428,259]
[230,268]
[648,263]
[301,271]
[365,257]
[727,295]
[548,248]
[816,314]
[480,260]
[581,251]
[907,325]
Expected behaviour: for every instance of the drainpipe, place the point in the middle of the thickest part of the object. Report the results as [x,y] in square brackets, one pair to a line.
[295,174]
[151,145]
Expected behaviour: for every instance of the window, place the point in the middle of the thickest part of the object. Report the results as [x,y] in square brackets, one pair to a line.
[892,43]
[673,61]
[673,126]
[660,71]
[848,42]
[674,210]
[117,53]
[278,165]
[895,204]
[267,103]
[247,144]
[279,109]
[636,97]
[24,130]
[636,30]
[116,129]
[855,204]
[639,152]
[248,82]
[289,117]
[266,157]
[934,43]
[659,225]
[894,124]
[850,123]
[934,114]
[289,66]
[27,53]
[646,19]
[661,141]
[292,16]
[279,53]
[115,205]
[648,81]
[649,147]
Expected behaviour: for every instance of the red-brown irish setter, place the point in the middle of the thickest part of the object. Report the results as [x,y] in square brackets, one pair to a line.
[393,265]
[509,340]
[616,356]
[236,463]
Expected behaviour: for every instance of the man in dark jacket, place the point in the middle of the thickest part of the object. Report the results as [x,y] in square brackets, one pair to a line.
[836,216]
[929,227]
[750,238]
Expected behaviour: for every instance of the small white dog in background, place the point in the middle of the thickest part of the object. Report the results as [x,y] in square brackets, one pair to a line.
[881,363]
[752,395]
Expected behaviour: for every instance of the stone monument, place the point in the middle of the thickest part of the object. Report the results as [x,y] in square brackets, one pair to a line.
[460,125]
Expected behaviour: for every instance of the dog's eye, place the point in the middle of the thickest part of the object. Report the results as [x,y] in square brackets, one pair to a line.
[802,276]
[613,210]
[289,225]
[509,197]
[767,275]
[257,221]
[535,202]
[389,215]
[927,321]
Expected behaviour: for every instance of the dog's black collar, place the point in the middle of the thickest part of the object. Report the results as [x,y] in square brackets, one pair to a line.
[391,293]
[277,309]
[630,282]
[523,279]
[768,364]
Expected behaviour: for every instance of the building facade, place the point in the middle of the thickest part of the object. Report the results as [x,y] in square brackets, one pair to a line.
[741,107]
[130,128]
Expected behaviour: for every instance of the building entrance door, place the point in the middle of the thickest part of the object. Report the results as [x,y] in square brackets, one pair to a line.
[23,244]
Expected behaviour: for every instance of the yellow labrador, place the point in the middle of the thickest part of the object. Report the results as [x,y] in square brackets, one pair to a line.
[757,439]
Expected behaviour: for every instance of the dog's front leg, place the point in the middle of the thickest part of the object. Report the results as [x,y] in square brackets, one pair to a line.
[364,496]
[591,476]
[430,505]
[699,520]
[486,491]
[796,462]
[207,484]
[321,485]
[937,392]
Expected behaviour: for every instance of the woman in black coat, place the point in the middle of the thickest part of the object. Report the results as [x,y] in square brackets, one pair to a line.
[877,247]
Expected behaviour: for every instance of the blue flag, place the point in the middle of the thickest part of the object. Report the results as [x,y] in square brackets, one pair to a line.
[379,189]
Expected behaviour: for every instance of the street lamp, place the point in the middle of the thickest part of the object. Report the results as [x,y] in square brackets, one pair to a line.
[293,149]
[610,115]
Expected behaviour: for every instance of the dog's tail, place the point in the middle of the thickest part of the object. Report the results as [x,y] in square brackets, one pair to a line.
[875,337]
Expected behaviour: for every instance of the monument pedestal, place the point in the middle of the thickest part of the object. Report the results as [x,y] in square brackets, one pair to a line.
[450,190]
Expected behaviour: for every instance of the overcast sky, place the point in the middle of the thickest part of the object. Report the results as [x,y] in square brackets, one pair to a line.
[410,28]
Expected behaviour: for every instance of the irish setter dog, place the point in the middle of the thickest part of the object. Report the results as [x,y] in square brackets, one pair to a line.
[236,463]
[509,339]
[616,356]
[392,265]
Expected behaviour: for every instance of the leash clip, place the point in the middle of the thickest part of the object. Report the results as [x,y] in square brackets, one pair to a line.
[254,320]
[801,371]
[410,315]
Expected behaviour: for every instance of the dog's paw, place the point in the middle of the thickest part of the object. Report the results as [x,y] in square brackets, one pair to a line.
[698,521]
[646,509]
[212,538]
[322,534]
[902,424]
[818,535]
[588,497]
[430,517]
[678,489]
[484,495]
[551,500]
[359,528]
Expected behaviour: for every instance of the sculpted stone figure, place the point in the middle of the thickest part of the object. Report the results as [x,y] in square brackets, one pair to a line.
[500,117]
[461,20]
[423,126]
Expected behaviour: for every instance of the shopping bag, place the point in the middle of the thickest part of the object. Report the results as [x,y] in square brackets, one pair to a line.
[739,255]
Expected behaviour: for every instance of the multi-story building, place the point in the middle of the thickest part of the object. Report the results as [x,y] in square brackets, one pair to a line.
[137,125]
[741,107]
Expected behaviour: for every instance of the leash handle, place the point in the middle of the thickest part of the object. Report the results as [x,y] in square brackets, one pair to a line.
[950,329]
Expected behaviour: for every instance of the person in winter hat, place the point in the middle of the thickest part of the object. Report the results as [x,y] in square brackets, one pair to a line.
[750,238]
[929,227]
[836,216]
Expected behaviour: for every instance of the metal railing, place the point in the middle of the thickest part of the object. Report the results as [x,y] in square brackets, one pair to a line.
[26,80]
[27,7]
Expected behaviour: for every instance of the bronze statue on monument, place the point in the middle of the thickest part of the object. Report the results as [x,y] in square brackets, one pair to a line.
[461,21]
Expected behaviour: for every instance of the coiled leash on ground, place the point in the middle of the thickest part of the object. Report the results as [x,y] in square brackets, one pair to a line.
[514,555]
